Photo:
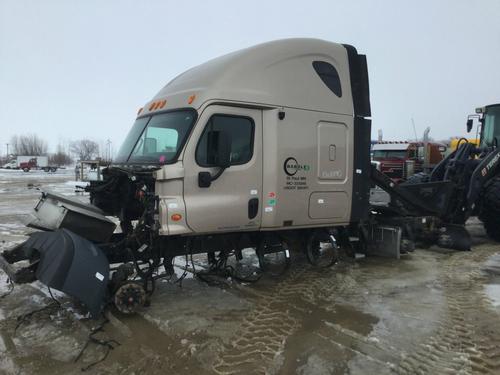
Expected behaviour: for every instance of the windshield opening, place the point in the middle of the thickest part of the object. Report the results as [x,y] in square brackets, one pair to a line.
[389,154]
[491,130]
[157,139]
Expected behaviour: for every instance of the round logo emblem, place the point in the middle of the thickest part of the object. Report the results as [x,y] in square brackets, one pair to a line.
[291,166]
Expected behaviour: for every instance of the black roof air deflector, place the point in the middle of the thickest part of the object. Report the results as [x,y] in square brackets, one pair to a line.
[358,71]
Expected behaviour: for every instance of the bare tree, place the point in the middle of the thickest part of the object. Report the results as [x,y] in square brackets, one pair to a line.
[29,144]
[85,149]
[60,157]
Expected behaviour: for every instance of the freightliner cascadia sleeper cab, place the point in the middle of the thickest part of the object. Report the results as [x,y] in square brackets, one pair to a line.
[265,148]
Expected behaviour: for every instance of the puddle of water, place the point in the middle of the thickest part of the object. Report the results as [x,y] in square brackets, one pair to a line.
[303,350]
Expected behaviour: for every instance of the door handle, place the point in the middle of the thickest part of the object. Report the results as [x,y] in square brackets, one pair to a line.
[253,208]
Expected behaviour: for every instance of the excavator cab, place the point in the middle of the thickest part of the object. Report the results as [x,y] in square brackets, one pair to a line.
[490,125]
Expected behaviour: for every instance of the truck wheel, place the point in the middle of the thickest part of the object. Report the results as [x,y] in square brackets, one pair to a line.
[418,178]
[274,258]
[490,212]
[321,250]
[129,297]
[53,169]
[26,169]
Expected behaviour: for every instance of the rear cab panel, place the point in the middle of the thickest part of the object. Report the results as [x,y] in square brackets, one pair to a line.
[302,185]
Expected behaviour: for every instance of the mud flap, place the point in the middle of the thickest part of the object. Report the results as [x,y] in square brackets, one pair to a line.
[456,237]
[63,261]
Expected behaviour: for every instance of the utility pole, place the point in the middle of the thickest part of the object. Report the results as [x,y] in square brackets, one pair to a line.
[108,151]
[7,150]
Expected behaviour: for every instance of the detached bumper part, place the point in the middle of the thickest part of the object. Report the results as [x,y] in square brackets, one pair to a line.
[64,261]
[55,211]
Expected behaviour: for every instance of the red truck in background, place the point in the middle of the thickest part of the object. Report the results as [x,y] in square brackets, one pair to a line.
[400,160]
[32,163]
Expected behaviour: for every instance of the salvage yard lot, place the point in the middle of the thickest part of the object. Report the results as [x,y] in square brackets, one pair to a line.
[433,311]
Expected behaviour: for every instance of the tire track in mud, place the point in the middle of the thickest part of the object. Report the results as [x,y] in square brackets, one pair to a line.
[275,317]
[468,339]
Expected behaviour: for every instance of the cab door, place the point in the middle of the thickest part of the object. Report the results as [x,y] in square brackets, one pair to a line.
[231,202]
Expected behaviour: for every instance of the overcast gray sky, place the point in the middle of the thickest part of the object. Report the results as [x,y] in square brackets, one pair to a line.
[73,69]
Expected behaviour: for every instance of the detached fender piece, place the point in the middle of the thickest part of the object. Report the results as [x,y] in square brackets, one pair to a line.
[63,261]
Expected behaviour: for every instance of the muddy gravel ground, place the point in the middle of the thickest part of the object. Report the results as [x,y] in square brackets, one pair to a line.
[432,312]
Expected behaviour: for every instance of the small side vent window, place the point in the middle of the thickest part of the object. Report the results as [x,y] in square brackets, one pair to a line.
[329,76]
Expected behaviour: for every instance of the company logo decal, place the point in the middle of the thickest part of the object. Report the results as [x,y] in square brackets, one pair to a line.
[292,166]
[492,163]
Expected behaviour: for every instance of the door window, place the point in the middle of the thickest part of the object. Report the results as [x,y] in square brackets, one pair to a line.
[491,130]
[241,133]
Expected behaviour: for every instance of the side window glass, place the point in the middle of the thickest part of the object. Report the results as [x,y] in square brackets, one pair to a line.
[329,76]
[241,133]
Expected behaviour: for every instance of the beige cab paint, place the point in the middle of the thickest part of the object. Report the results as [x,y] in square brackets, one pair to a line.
[301,168]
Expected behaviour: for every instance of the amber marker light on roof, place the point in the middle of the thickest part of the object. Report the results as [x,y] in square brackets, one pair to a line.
[191,99]
[176,217]
[139,111]
[162,104]
[152,106]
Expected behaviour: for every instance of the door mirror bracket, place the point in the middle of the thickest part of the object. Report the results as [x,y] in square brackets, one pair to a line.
[219,153]
[205,178]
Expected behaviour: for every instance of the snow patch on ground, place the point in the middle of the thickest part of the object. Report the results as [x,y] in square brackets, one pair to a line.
[11,225]
[77,183]
[493,293]
[5,286]
[45,290]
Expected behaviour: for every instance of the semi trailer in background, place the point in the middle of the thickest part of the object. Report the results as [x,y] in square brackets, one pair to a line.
[29,162]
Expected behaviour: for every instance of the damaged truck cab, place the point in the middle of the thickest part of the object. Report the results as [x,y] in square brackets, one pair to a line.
[268,138]
[265,148]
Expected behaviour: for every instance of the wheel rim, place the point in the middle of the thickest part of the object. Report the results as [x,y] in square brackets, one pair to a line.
[129,298]
[274,263]
[321,251]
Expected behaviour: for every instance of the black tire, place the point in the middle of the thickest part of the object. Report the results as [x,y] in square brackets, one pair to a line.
[490,210]
[274,259]
[418,178]
[317,253]
[26,170]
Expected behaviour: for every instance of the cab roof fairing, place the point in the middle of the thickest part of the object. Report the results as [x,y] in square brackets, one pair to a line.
[278,74]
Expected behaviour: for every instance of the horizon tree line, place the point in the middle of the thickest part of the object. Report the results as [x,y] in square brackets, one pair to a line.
[66,152]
